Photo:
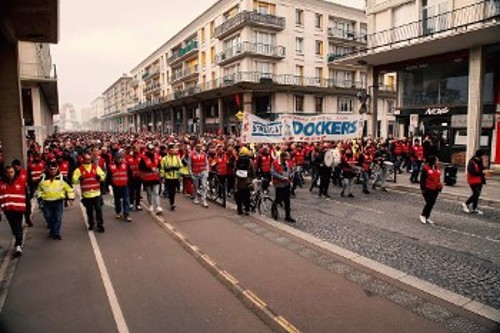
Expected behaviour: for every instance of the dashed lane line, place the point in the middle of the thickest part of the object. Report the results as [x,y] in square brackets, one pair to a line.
[258,306]
[121,324]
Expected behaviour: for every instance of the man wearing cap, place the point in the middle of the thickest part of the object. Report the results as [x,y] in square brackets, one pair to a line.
[90,176]
[53,190]
[170,166]
[198,167]
[119,174]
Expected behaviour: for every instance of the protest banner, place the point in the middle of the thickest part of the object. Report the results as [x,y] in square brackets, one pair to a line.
[299,128]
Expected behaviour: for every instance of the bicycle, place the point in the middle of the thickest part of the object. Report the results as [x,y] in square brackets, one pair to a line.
[216,191]
[259,199]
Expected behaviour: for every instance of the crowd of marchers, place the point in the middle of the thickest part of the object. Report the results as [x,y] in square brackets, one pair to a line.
[162,165]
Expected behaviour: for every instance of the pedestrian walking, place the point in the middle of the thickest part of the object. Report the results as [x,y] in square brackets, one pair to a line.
[52,192]
[90,176]
[365,162]
[244,175]
[198,168]
[170,166]
[476,180]
[13,204]
[282,173]
[382,163]
[324,171]
[119,177]
[133,160]
[23,175]
[150,168]
[348,174]
[431,186]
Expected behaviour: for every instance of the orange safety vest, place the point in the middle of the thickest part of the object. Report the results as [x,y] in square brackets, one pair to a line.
[150,176]
[433,180]
[198,163]
[89,182]
[13,196]
[279,169]
[119,175]
[222,165]
[299,157]
[36,170]
[265,163]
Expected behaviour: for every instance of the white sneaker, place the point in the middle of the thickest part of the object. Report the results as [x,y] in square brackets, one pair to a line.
[159,210]
[196,201]
[18,251]
[205,204]
[430,222]
[466,208]
[477,211]
[423,219]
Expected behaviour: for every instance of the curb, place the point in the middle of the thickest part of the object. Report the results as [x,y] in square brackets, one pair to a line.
[457,300]
[276,322]
[447,195]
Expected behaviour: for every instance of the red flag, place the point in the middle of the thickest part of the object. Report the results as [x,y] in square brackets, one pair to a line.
[237,99]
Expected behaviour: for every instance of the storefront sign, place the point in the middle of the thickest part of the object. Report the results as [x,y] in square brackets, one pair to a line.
[437,111]
[301,128]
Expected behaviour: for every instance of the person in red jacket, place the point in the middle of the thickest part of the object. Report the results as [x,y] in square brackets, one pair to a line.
[150,167]
[133,160]
[431,186]
[119,175]
[23,175]
[264,162]
[13,204]
[417,158]
[476,180]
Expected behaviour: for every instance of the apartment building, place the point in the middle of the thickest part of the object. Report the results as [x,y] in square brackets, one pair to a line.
[116,102]
[39,92]
[266,57]
[445,54]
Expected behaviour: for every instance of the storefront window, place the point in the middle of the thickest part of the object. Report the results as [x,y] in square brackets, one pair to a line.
[435,84]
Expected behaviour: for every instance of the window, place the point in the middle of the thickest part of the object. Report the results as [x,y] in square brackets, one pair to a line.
[202,35]
[363,79]
[212,54]
[318,75]
[299,17]
[264,7]
[318,21]
[390,106]
[229,71]
[299,45]
[318,104]
[264,38]
[299,70]
[212,29]
[299,103]
[231,13]
[346,105]
[264,67]
[344,79]
[203,59]
[232,43]
[319,48]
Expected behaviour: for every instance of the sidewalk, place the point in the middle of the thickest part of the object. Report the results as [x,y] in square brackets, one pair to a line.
[315,290]
[490,195]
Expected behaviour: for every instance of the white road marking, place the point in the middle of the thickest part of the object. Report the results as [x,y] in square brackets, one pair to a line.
[469,234]
[121,324]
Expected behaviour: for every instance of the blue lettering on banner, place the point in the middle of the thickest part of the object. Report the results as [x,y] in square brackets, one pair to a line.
[270,130]
[324,128]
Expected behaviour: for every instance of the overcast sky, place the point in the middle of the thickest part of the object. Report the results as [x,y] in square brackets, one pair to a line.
[101,40]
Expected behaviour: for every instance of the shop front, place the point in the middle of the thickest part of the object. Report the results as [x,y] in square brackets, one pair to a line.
[447,127]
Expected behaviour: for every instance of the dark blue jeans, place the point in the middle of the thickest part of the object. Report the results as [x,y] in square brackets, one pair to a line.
[415,170]
[53,210]
[16,225]
[122,193]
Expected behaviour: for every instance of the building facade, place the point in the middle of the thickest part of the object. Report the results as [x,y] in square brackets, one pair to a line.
[38,90]
[116,102]
[445,56]
[264,57]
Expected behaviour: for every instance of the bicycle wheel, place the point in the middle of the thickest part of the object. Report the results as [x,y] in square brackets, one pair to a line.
[264,205]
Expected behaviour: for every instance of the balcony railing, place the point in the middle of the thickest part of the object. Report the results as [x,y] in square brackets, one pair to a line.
[266,50]
[471,15]
[268,78]
[247,17]
[190,48]
[148,103]
[347,35]
[180,75]
[37,71]
[152,87]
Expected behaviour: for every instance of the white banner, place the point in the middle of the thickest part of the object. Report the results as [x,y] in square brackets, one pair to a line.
[292,127]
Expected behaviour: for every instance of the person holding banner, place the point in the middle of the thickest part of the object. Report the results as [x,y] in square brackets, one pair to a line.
[282,173]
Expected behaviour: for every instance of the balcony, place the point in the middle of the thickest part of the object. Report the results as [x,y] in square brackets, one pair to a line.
[151,73]
[184,74]
[346,37]
[152,88]
[184,53]
[35,71]
[148,103]
[464,27]
[249,18]
[254,49]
